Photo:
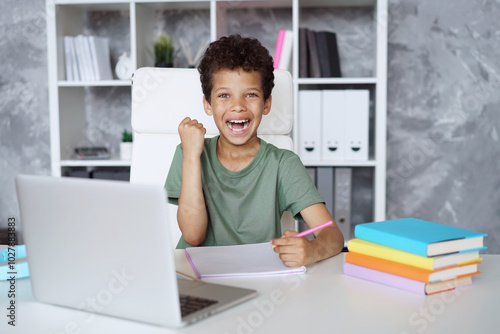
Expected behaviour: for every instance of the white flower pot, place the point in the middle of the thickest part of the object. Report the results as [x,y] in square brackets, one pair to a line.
[126,151]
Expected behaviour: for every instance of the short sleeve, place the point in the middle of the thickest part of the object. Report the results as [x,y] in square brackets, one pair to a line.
[296,188]
[174,177]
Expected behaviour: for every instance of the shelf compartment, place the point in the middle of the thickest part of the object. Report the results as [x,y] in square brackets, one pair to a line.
[92,116]
[92,18]
[187,21]
[348,84]
[258,19]
[356,35]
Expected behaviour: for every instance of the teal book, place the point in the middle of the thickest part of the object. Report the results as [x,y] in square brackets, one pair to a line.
[420,237]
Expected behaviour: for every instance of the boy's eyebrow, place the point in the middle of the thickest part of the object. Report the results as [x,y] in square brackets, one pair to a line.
[255,88]
[228,88]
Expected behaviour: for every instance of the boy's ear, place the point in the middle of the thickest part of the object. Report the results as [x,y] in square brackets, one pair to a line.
[267,105]
[207,107]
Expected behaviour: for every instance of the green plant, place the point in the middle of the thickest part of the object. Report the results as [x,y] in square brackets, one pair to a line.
[126,136]
[164,50]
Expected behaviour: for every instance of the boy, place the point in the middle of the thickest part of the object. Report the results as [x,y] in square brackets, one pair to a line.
[233,188]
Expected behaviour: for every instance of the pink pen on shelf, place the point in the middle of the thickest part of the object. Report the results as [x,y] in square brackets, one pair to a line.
[311,230]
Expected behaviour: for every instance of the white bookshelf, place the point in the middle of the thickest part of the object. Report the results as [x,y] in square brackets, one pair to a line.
[67,99]
[377,84]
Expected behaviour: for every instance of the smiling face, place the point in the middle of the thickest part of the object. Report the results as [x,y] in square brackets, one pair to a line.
[237,105]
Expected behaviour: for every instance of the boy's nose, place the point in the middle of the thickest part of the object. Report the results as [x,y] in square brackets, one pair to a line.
[238,105]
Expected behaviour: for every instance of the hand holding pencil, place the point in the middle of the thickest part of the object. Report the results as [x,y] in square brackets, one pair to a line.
[294,250]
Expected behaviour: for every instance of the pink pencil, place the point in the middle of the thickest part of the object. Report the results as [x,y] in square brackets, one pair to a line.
[311,230]
[314,229]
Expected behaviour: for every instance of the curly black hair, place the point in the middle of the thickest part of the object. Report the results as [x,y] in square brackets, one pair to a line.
[235,52]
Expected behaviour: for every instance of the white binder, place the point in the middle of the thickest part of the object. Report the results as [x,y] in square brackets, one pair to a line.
[310,125]
[356,124]
[332,125]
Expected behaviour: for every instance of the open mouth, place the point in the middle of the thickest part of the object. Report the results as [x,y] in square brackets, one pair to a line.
[238,125]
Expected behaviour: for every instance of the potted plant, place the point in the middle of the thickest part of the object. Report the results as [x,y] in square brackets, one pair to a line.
[164,51]
[126,145]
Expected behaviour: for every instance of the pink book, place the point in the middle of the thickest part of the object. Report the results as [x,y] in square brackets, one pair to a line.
[279,47]
[404,283]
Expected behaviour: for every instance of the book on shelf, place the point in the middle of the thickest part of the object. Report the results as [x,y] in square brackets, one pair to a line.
[412,272]
[285,62]
[318,54]
[80,58]
[237,261]
[420,237]
[328,54]
[87,58]
[313,57]
[84,54]
[278,48]
[303,53]
[431,263]
[70,63]
[99,48]
[404,283]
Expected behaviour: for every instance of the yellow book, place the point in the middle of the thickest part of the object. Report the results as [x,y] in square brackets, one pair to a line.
[431,263]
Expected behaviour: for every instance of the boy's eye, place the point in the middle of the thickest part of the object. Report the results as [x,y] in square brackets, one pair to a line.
[224,95]
[252,95]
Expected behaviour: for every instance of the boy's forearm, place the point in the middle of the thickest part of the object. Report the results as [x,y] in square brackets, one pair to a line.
[192,213]
[329,242]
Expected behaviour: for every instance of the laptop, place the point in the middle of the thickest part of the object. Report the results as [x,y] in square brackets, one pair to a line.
[104,247]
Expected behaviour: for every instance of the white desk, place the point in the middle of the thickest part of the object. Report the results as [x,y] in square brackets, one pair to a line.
[322,301]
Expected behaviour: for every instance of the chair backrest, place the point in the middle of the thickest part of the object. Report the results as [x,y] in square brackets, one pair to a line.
[163,97]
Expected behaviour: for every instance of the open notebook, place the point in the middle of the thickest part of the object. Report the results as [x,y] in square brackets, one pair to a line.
[238,261]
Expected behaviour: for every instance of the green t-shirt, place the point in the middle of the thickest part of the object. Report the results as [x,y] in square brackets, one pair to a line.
[246,206]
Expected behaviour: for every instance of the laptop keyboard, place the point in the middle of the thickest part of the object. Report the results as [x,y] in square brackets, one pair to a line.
[190,304]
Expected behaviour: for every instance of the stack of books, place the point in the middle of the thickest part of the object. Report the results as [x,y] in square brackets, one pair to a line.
[318,54]
[414,255]
[87,58]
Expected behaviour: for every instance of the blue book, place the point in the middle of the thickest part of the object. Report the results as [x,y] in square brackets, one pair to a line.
[420,237]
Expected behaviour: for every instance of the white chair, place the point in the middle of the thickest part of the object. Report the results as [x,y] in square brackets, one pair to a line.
[163,97]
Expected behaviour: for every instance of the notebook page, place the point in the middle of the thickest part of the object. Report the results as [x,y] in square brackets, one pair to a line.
[239,260]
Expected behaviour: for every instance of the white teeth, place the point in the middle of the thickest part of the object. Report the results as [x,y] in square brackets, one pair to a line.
[230,124]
